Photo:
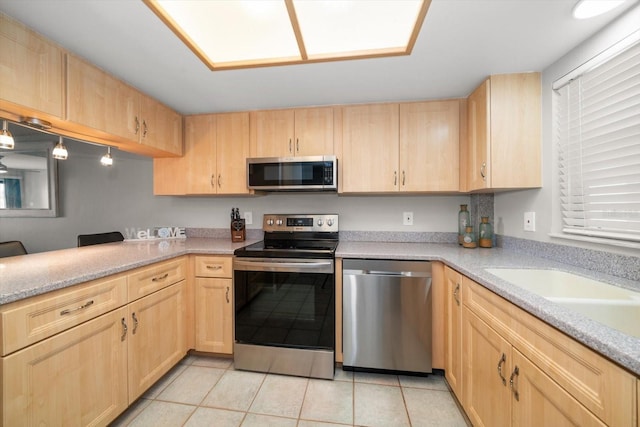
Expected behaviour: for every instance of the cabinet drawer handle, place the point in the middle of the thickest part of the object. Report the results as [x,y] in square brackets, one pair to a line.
[503,359]
[135,322]
[227,295]
[514,389]
[137,125]
[214,267]
[83,306]
[483,171]
[456,293]
[395,178]
[159,278]
[124,330]
[145,128]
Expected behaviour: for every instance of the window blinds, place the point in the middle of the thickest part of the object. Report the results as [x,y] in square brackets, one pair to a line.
[597,123]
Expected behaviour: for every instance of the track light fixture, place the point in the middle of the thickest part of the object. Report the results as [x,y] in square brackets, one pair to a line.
[6,139]
[60,151]
[107,160]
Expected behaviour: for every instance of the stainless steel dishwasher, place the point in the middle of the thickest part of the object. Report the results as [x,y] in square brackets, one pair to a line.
[387,315]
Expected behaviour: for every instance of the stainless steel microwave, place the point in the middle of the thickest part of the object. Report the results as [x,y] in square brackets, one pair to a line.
[314,173]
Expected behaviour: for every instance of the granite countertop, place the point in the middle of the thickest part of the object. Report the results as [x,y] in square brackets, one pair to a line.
[617,346]
[34,274]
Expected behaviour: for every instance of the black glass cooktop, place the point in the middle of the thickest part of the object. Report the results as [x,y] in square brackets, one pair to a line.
[291,247]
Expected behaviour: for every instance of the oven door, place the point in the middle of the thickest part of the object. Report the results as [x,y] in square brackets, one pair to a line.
[285,302]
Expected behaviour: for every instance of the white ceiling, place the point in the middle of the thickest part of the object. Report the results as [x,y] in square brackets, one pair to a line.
[461,43]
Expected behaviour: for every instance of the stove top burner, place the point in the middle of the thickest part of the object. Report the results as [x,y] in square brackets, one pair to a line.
[295,236]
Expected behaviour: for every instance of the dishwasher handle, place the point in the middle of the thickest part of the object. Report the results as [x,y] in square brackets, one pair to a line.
[385,273]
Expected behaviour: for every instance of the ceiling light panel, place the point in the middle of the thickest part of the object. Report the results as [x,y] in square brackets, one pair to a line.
[236,31]
[229,34]
[360,27]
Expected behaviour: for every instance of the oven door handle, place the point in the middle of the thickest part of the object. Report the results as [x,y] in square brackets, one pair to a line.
[285,265]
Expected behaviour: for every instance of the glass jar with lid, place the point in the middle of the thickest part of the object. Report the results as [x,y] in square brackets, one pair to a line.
[485,233]
[469,238]
[464,220]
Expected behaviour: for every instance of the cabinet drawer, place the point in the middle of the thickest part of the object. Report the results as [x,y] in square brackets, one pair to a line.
[28,321]
[603,387]
[157,276]
[214,266]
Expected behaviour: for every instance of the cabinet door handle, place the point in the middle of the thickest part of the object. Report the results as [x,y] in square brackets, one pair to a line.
[483,171]
[137,125]
[227,295]
[145,128]
[403,178]
[395,178]
[297,146]
[124,330]
[290,151]
[159,278]
[456,293]
[514,388]
[135,323]
[71,310]
[219,180]
[503,359]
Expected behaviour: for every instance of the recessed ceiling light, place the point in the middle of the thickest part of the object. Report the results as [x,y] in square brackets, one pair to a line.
[252,33]
[589,8]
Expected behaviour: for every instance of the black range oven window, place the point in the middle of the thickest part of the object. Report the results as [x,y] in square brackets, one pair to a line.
[286,309]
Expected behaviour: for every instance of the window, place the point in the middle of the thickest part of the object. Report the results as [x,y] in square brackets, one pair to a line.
[597,129]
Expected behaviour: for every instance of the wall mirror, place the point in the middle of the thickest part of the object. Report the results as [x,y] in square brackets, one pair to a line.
[29,176]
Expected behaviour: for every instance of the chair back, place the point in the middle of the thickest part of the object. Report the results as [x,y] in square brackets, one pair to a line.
[12,248]
[96,239]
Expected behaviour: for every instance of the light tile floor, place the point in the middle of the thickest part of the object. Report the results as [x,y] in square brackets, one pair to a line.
[208,391]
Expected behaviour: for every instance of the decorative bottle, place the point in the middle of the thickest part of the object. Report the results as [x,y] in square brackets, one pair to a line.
[485,232]
[469,238]
[463,221]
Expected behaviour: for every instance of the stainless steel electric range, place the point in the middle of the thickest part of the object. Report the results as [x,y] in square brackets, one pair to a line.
[284,291]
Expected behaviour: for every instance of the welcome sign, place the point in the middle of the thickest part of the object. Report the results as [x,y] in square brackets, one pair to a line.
[155,233]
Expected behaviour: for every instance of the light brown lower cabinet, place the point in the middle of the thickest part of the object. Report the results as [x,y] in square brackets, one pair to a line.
[78,377]
[520,371]
[157,337]
[453,327]
[88,372]
[214,304]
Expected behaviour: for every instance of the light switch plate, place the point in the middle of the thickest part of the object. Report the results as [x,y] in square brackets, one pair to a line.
[248,218]
[529,221]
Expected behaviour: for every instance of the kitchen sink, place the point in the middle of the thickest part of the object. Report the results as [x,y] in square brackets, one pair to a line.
[610,305]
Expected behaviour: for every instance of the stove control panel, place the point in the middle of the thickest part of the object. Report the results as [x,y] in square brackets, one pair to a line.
[300,222]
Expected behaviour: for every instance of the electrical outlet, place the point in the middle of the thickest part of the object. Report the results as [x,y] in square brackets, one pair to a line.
[407,218]
[529,221]
[248,218]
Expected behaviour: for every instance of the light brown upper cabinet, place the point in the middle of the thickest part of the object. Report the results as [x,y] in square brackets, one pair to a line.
[295,132]
[429,146]
[101,102]
[370,141]
[409,147]
[31,76]
[504,127]
[214,162]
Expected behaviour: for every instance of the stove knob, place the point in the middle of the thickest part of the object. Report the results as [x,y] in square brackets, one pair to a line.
[320,222]
[269,221]
[279,222]
[329,222]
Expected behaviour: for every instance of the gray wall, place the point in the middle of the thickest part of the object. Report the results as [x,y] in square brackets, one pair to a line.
[96,199]
[510,207]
